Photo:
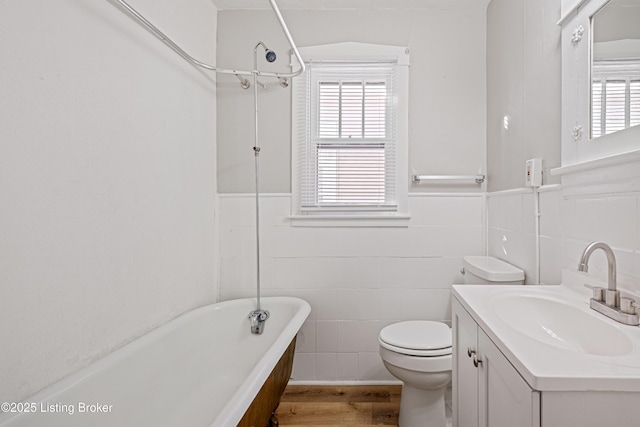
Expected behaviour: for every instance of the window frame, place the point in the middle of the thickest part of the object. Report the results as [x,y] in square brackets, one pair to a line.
[352,53]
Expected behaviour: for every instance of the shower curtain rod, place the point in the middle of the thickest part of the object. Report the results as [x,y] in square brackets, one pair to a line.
[166,40]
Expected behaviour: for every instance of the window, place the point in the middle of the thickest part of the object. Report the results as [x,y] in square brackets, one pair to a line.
[352,146]
[350,131]
[615,93]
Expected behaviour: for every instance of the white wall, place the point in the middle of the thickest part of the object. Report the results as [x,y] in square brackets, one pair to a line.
[599,201]
[523,84]
[357,280]
[511,234]
[107,181]
[447,88]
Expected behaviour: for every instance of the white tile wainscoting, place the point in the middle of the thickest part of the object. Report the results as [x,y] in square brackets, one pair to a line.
[357,279]
[360,279]
[511,234]
[600,201]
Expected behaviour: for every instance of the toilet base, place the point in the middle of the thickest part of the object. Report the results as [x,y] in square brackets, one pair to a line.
[422,408]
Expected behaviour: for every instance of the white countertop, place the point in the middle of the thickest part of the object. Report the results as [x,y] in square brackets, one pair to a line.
[548,367]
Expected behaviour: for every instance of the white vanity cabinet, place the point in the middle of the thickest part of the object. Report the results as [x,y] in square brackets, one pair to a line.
[465,374]
[568,366]
[491,394]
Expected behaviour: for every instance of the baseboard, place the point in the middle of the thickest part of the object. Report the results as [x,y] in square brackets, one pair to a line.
[343,383]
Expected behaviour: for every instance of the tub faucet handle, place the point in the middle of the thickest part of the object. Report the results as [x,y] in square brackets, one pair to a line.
[257,319]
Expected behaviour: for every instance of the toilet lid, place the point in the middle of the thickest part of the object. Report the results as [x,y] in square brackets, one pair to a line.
[417,335]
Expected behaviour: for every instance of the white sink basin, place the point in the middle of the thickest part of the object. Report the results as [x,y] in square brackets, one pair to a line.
[553,338]
[556,323]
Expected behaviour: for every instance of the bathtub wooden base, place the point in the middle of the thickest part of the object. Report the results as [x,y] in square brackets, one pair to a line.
[268,398]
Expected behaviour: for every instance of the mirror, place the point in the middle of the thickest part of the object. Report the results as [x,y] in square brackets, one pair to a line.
[615,67]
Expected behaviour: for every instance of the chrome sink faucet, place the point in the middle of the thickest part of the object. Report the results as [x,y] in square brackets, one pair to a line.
[612,295]
[608,301]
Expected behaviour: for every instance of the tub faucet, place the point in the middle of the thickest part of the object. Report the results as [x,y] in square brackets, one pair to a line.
[608,301]
[257,319]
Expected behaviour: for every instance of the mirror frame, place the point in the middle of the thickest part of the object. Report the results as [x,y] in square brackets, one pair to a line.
[577,146]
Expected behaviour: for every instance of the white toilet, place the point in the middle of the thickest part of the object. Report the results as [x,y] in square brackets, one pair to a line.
[418,352]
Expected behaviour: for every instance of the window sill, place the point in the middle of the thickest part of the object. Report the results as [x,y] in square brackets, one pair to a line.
[397,220]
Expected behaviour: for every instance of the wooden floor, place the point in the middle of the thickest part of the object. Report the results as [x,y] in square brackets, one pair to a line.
[354,406]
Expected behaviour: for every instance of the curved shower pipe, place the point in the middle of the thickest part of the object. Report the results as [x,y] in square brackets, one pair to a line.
[258,316]
[166,40]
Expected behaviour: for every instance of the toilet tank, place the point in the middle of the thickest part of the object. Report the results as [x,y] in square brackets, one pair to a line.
[490,270]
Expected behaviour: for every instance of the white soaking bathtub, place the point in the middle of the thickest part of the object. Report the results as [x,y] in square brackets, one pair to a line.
[203,368]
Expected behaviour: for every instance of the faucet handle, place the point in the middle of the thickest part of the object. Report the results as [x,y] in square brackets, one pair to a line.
[629,306]
[598,292]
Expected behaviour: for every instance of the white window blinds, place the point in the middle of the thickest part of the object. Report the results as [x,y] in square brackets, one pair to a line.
[347,154]
[615,96]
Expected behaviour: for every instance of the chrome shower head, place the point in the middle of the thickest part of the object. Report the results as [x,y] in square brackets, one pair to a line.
[270,55]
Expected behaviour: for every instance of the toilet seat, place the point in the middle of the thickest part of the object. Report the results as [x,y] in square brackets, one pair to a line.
[417,338]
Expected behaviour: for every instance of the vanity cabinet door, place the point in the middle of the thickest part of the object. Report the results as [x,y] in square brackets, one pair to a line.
[465,374]
[505,399]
